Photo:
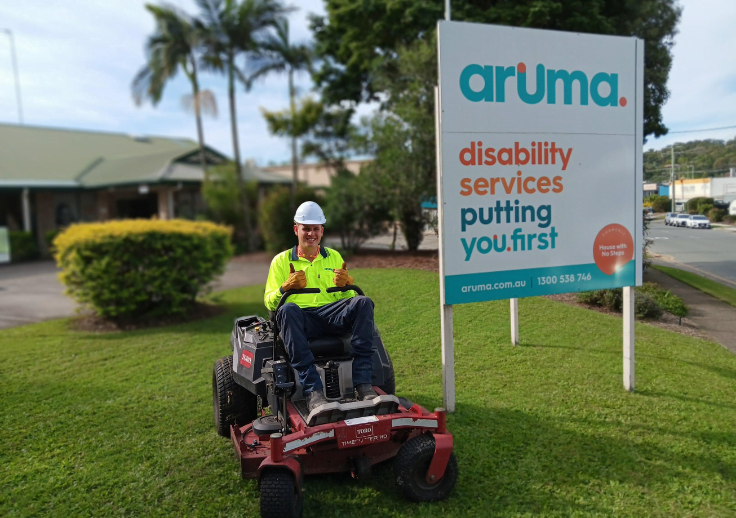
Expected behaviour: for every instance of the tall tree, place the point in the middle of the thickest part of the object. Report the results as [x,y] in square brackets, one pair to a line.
[280,55]
[326,131]
[402,136]
[233,29]
[357,37]
[173,46]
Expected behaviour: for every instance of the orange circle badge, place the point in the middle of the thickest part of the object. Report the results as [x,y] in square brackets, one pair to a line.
[613,248]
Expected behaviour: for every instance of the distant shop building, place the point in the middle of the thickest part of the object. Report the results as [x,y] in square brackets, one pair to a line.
[51,178]
[318,175]
[651,189]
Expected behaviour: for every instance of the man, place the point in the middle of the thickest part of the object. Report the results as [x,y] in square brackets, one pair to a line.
[305,316]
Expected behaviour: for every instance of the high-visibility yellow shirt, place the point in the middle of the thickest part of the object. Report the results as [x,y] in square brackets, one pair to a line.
[319,275]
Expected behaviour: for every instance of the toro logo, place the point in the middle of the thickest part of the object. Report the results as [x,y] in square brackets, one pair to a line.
[494,85]
[246,359]
[364,431]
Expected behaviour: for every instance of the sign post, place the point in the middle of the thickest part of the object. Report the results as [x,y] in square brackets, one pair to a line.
[539,168]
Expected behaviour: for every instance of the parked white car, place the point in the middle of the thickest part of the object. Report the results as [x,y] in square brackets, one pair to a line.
[681,220]
[698,222]
[669,219]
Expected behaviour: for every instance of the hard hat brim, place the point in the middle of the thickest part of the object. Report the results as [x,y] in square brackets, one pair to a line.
[311,222]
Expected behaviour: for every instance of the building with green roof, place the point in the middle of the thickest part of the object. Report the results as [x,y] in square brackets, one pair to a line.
[50,178]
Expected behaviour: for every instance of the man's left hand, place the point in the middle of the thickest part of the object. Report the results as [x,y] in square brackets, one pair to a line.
[342,278]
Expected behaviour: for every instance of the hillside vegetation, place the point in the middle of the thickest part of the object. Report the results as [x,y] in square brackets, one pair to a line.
[708,158]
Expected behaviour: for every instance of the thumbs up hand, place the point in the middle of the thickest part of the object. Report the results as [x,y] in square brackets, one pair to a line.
[296,280]
[342,278]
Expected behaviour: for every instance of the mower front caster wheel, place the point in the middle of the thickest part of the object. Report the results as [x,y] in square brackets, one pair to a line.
[279,498]
[410,471]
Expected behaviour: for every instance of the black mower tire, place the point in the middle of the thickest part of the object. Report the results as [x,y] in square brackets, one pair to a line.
[232,404]
[389,383]
[279,498]
[410,469]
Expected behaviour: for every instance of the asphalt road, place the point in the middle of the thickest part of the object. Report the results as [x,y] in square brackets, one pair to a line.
[709,252]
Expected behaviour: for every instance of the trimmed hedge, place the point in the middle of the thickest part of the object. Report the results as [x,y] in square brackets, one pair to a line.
[704,209]
[141,267]
[693,203]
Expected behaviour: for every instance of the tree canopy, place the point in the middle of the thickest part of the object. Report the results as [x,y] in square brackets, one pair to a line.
[358,37]
[707,157]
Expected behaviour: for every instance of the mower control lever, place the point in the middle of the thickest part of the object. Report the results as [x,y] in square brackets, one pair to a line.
[295,292]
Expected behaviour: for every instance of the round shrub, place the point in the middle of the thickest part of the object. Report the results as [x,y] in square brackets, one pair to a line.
[716,215]
[646,307]
[140,267]
[276,217]
[613,299]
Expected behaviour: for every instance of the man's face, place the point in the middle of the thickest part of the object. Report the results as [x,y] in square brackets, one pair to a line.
[309,235]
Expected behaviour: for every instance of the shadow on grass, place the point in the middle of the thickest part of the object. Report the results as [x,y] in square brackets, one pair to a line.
[514,463]
[220,324]
[686,399]
[600,350]
[721,371]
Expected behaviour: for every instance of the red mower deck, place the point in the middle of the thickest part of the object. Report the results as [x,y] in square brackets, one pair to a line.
[336,447]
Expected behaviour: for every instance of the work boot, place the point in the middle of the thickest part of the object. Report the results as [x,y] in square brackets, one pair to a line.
[315,399]
[365,392]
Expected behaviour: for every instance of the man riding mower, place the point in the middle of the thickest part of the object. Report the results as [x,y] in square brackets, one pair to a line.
[321,368]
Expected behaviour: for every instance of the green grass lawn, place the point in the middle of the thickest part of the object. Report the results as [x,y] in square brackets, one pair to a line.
[121,424]
[712,288]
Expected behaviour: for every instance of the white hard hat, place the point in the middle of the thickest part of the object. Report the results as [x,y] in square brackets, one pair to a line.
[309,213]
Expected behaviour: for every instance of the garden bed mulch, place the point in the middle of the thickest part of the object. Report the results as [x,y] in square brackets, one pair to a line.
[667,321]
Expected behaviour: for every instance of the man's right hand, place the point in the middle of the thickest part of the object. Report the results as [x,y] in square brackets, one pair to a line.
[296,280]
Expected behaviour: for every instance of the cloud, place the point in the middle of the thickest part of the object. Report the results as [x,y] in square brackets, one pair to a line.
[702,81]
[77,59]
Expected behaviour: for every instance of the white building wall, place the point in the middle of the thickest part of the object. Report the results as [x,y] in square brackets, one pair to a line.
[723,189]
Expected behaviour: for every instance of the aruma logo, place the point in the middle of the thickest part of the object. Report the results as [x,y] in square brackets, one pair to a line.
[494,85]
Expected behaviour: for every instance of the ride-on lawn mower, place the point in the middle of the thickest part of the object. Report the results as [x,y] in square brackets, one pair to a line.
[343,435]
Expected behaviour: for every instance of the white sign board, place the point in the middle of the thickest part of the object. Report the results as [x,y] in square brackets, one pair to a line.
[541,161]
[4,245]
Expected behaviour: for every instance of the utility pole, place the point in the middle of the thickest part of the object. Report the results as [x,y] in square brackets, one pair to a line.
[15,71]
[672,175]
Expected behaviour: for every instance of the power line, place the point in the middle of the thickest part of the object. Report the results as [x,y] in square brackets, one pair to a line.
[699,130]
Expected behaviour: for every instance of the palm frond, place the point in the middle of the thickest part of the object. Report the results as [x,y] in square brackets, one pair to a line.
[205,103]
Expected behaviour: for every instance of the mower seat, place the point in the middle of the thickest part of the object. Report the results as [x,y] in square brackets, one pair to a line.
[330,345]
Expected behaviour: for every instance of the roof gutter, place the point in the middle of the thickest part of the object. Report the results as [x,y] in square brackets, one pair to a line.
[18,184]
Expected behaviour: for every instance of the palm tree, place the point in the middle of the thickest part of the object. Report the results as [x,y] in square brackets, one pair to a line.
[279,55]
[233,29]
[172,47]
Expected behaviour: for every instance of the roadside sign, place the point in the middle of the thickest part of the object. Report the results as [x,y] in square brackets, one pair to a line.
[541,161]
[4,245]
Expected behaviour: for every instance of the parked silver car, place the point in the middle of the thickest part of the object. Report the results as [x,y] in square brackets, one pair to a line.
[698,222]
[681,220]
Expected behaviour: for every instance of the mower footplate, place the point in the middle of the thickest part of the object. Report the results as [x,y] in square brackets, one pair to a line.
[335,411]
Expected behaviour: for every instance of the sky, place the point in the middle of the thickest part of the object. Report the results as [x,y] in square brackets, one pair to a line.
[77,59]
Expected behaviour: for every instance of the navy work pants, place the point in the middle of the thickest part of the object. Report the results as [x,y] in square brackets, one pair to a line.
[298,325]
